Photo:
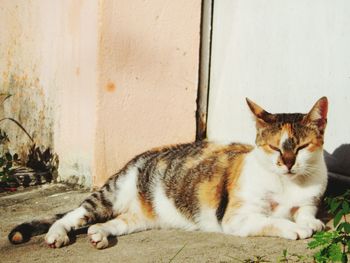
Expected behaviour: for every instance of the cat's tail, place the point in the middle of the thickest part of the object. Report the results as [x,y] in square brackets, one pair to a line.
[23,232]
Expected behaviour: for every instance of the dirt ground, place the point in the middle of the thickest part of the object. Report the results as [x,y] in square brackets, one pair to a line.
[148,246]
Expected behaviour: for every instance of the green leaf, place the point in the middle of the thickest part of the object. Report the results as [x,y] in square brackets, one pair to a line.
[334,252]
[334,204]
[8,156]
[285,252]
[2,161]
[337,218]
[344,258]
[345,207]
[8,165]
[319,257]
[322,239]
[4,178]
[313,244]
[341,226]
[347,227]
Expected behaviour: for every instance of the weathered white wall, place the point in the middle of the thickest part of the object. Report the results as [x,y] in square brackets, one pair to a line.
[284,55]
[100,81]
[49,64]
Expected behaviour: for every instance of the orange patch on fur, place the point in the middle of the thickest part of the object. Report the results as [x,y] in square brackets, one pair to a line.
[313,148]
[17,238]
[83,221]
[293,210]
[235,172]
[288,129]
[191,163]
[162,165]
[209,192]
[267,149]
[232,186]
[269,138]
[233,204]
[241,148]
[273,205]
[315,145]
[146,208]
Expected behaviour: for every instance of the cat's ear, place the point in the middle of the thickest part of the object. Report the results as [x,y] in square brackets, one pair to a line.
[262,117]
[318,114]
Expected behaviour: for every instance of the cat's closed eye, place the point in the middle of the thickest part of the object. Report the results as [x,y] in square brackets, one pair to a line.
[303,146]
[275,148]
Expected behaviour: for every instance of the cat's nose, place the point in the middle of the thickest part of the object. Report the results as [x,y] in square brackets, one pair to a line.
[289,165]
[288,160]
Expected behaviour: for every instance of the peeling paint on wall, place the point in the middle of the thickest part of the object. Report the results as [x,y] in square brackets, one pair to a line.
[27,105]
[19,78]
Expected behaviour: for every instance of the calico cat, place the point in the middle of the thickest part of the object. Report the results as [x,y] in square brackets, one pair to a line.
[272,189]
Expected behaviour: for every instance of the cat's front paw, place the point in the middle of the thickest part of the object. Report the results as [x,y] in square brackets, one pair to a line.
[57,237]
[313,223]
[297,232]
[98,237]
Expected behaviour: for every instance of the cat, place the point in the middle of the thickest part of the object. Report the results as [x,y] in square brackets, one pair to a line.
[270,189]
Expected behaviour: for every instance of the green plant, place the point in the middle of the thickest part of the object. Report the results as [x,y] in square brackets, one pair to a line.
[287,257]
[334,246]
[3,137]
[6,158]
[6,163]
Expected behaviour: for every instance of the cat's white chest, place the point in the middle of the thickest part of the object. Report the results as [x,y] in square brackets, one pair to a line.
[275,195]
[287,197]
[284,203]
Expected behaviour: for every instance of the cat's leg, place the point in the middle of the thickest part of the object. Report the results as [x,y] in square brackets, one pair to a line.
[207,220]
[57,234]
[261,225]
[306,216]
[96,207]
[123,224]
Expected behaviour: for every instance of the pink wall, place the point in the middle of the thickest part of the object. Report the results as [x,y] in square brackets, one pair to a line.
[101,81]
[148,62]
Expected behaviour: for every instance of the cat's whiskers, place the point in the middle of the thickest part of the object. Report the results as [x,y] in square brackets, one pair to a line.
[310,170]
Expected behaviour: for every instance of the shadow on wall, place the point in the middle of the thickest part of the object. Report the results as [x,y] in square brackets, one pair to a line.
[338,164]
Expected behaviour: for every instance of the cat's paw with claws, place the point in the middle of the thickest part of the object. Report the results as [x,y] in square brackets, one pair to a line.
[313,223]
[98,237]
[57,237]
[297,232]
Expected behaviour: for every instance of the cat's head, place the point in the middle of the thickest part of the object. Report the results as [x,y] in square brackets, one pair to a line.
[291,143]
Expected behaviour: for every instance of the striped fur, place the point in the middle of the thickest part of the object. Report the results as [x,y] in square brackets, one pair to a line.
[270,189]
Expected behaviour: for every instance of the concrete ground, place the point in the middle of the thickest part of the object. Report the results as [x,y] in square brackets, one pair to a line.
[148,246]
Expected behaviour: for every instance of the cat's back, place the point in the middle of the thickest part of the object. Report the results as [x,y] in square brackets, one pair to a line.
[201,158]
